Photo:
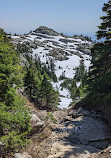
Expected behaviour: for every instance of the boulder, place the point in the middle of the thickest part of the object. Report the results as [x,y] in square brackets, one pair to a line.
[37,124]
[34,118]
[38,127]
[22,155]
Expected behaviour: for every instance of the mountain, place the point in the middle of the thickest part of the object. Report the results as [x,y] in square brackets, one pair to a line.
[66,53]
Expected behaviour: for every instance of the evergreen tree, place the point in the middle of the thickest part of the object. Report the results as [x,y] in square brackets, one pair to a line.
[73,89]
[105,27]
[52,66]
[80,71]
[37,84]
[31,79]
[29,82]
[48,96]
[14,117]
[52,74]
[99,78]
[9,69]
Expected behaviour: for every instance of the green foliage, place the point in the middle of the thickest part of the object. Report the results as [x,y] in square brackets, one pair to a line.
[76,93]
[62,77]
[9,69]
[99,77]
[105,27]
[37,85]
[50,70]
[23,48]
[14,123]
[88,38]
[51,117]
[48,96]
[80,71]
[14,117]
[66,83]
[14,140]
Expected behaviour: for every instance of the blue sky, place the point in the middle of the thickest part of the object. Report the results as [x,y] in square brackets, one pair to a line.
[67,16]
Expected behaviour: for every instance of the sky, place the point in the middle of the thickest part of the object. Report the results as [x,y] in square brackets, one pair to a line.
[64,16]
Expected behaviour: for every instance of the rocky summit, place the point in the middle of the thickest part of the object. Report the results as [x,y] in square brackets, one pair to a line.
[46,30]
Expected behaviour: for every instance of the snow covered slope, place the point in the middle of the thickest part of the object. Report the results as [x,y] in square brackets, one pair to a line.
[66,52]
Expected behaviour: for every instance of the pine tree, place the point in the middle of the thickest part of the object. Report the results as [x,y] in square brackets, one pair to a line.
[80,71]
[31,79]
[14,117]
[99,78]
[9,69]
[73,89]
[105,27]
[48,96]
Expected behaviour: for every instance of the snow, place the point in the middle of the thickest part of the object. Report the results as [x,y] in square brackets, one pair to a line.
[41,53]
[15,37]
[65,99]
[64,92]
[78,84]
[65,66]
[64,102]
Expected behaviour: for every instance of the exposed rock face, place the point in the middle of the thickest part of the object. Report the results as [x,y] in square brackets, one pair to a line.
[58,54]
[46,30]
[66,41]
[41,35]
[23,155]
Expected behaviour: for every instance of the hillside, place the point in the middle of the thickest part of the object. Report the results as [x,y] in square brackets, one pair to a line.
[65,52]
[40,62]
[55,89]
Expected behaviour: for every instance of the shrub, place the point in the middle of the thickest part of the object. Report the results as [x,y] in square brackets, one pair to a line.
[14,124]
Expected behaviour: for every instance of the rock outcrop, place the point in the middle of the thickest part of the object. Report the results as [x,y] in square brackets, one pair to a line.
[46,30]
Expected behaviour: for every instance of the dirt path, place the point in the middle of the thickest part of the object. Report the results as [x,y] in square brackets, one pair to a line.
[80,135]
[77,134]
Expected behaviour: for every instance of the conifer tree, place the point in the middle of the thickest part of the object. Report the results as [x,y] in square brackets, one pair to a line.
[9,69]
[14,117]
[31,79]
[48,96]
[99,78]
[80,71]
[105,27]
